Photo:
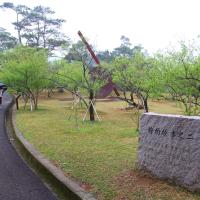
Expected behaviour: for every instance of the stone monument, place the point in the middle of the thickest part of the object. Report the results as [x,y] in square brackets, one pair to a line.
[169,148]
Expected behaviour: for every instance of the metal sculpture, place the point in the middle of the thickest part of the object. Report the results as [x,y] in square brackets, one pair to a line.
[96,71]
[108,87]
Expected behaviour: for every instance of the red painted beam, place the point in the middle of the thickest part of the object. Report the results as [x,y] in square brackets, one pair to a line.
[89,48]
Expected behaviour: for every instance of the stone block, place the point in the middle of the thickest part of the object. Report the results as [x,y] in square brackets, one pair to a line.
[169,148]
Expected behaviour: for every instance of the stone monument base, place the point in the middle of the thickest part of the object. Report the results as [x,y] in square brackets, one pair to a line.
[169,148]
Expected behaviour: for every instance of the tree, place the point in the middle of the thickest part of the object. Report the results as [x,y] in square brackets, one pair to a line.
[77,52]
[6,40]
[105,56]
[43,30]
[78,79]
[124,50]
[180,72]
[25,72]
[21,20]
[37,27]
[137,76]
[86,77]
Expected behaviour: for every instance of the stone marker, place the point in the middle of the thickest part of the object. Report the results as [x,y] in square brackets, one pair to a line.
[169,148]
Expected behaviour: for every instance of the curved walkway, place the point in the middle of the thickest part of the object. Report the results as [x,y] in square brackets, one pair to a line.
[17,180]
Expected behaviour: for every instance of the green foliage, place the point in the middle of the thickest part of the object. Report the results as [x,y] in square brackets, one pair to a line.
[76,52]
[105,56]
[76,77]
[43,29]
[25,71]
[21,21]
[37,26]
[125,49]
[70,75]
[180,74]
[136,75]
[6,40]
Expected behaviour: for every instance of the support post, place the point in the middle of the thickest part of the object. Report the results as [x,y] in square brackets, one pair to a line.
[91,108]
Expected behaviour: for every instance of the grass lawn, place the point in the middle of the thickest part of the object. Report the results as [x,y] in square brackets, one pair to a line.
[100,156]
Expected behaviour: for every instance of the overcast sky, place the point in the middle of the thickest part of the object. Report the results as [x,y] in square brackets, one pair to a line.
[152,23]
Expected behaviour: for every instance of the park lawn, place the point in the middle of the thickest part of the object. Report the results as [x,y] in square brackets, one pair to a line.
[101,156]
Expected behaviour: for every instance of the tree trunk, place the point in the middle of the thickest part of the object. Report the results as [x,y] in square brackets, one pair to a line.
[137,105]
[19,30]
[25,100]
[36,104]
[131,95]
[91,108]
[19,37]
[146,109]
[34,98]
[35,101]
[17,102]
[49,92]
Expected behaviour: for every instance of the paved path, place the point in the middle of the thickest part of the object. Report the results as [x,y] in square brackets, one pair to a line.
[17,181]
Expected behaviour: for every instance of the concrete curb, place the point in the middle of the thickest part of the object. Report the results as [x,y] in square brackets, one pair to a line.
[62,185]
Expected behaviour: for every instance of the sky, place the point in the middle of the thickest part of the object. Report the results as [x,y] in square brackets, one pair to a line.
[155,24]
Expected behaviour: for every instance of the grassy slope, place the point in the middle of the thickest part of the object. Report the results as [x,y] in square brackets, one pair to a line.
[95,154]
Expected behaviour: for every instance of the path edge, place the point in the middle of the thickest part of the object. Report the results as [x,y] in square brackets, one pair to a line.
[63,186]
